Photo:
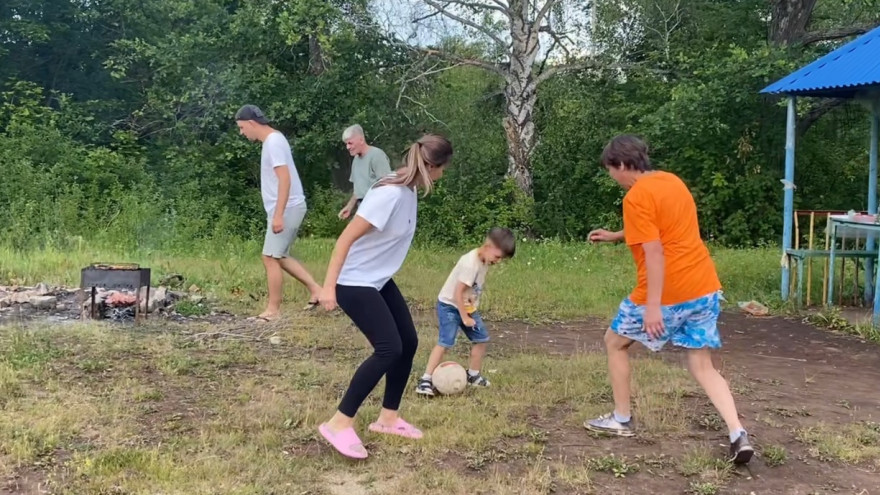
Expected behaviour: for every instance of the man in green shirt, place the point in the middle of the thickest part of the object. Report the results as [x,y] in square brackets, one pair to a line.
[368,166]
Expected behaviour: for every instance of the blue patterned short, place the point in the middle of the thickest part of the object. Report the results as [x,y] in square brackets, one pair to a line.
[691,324]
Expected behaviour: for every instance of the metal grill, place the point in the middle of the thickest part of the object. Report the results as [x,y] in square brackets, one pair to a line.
[118,276]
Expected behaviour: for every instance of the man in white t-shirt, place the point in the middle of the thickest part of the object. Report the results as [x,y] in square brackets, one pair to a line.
[368,165]
[285,205]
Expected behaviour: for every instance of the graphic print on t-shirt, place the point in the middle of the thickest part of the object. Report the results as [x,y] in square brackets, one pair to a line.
[472,297]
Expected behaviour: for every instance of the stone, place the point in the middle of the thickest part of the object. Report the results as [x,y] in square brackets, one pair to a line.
[274,340]
[43,302]
[42,289]
[158,299]
[20,297]
[194,288]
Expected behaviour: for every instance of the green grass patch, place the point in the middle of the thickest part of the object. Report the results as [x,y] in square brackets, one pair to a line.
[10,385]
[27,349]
[851,443]
[708,467]
[774,455]
[544,280]
[188,307]
[832,319]
[618,466]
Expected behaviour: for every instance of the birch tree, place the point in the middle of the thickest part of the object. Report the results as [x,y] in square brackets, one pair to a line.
[530,42]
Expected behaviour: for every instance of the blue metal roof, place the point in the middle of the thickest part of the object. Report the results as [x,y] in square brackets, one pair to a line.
[852,67]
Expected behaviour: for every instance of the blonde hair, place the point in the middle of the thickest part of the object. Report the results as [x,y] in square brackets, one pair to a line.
[429,150]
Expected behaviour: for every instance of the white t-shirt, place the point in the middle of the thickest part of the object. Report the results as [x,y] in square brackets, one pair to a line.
[470,271]
[375,258]
[276,153]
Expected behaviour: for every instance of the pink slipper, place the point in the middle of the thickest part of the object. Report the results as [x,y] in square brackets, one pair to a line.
[346,442]
[401,428]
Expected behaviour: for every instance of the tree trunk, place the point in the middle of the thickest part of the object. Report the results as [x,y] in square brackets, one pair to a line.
[316,56]
[789,20]
[519,128]
[521,95]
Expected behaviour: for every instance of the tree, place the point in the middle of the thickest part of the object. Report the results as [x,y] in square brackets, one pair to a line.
[792,21]
[517,31]
[801,23]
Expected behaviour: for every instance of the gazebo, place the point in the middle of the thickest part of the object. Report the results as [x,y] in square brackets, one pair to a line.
[851,72]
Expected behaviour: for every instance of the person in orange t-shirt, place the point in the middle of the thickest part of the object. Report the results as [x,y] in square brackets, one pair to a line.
[677,295]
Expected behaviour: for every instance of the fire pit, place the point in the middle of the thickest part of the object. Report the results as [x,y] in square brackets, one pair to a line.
[118,276]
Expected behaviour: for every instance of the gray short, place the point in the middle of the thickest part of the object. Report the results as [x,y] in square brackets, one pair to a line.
[278,245]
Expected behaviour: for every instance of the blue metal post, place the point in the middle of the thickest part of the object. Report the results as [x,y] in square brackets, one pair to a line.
[872,190]
[788,209]
[872,200]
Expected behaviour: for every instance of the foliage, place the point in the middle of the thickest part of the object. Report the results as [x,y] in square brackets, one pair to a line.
[115,121]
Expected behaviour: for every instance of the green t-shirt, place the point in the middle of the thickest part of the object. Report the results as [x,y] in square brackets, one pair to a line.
[367,169]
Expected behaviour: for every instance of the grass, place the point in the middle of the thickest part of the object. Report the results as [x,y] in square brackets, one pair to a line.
[711,472]
[617,466]
[160,411]
[546,280]
[164,408]
[774,455]
[850,443]
[833,320]
[187,307]
[703,488]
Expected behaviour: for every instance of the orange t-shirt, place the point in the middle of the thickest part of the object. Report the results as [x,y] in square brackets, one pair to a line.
[659,206]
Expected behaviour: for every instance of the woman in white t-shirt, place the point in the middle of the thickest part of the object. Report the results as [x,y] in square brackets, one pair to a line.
[367,255]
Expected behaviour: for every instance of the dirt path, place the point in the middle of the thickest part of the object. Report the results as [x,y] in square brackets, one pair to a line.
[786,375]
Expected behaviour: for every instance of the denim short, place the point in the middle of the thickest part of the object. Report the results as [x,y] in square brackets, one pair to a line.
[692,324]
[450,323]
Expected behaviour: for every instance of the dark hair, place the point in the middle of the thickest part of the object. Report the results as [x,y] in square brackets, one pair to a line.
[628,150]
[504,240]
[430,149]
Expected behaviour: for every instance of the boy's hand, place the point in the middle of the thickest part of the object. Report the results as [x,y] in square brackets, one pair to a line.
[344,213]
[468,321]
[602,235]
[653,321]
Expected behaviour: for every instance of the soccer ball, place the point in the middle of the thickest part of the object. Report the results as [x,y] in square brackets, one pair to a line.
[449,378]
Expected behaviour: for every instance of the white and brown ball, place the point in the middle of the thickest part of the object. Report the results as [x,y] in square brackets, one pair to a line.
[449,378]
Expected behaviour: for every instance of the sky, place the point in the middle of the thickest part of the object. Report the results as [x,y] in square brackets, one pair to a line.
[396,16]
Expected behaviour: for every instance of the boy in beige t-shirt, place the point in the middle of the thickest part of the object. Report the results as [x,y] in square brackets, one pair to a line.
[458,303]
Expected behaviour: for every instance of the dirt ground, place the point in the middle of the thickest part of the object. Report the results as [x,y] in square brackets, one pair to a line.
[786,375]
[783,372]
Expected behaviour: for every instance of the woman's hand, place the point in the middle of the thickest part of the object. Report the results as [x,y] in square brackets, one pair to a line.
[327,298]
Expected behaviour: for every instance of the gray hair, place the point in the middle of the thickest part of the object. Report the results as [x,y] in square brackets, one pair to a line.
[352,131]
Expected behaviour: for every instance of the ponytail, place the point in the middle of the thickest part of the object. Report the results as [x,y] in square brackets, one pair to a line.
[430,150]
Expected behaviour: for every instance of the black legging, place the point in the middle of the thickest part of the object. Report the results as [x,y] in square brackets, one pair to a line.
[384,318]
